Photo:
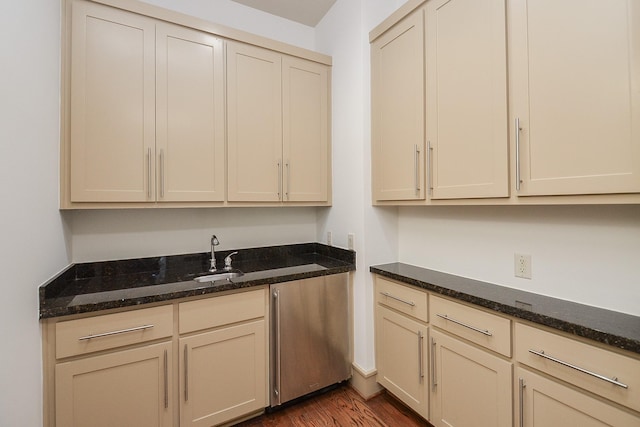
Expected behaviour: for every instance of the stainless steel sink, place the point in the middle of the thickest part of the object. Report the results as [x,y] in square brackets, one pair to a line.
[225,275]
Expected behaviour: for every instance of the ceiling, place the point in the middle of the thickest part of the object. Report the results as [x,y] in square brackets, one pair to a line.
[307,12]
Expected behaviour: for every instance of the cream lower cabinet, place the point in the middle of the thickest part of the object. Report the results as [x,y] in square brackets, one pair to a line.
[469,386]
[278,127]
[132,369]
[471,369]
[102,376]
[125,388]
[401,343]
[223,374]
[223,366]
[543,402]
[402,358]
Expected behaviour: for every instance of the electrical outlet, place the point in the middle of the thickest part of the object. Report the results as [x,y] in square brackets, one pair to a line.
[328,238]
[522,265]
[351,240]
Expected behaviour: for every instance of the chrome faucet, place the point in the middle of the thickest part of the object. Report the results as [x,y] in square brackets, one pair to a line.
[214,243]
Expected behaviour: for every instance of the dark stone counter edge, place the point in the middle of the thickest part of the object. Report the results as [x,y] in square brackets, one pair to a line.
[613,340]
[47,312]
[336,260]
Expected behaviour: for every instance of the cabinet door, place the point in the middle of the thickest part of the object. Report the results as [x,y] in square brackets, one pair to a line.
[112,143]
[190,115]
[254,129]
[126,388]
[575,90]
[223,374]
[402,359]
[469,386]
[467,132]
[542,402]
[397,119]
[305,109]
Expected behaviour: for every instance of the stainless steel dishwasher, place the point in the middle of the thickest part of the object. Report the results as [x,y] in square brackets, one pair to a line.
[309,336]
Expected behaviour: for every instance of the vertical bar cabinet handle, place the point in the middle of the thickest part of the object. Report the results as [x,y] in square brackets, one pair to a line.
[166,380]
[518,176]
[430,167]
[420,367]
[186,373]
[521,386]
[148,173]
[434,378]
[276,390]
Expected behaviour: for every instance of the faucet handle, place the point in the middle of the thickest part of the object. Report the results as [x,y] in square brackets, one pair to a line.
[227,261]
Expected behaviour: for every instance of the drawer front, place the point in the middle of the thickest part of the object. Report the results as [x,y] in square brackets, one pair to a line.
[586,366]
[223,310]
[81,336]
[403,298]
[488,330]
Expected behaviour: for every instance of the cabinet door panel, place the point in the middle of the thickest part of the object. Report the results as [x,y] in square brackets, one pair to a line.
[126,388]
[402,358]
[472,387]
[467,98]
[224,374]
[548,403]
[397,82]
[190,115]
[305,130]
[254,115]
[576,91]
[112,105]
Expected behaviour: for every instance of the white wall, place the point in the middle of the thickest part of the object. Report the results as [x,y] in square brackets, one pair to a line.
[344,34]
[121,234]
[32,242]
[587,254]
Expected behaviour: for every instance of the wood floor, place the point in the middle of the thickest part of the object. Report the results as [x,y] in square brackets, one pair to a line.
[341,407]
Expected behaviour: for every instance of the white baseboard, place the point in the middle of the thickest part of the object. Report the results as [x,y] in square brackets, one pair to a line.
[364,382]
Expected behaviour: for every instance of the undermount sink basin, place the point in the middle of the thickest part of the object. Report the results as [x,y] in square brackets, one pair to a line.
[226,275]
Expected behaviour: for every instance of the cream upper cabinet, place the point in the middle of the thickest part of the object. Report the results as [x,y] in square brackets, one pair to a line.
[466,74]
[190,135]
[575,94]
[397,111]
[112,129]
[147,109]
[254,123]
[305,118]
[278,127]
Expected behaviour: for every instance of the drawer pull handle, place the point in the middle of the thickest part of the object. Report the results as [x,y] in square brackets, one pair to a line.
[613,380]
[473,328]
[387,294]
[122,331]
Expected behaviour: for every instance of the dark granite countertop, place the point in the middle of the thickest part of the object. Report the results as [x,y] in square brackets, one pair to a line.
[95,286]
[609,327]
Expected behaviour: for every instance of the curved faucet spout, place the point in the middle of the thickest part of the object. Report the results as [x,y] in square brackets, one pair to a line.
[214,243]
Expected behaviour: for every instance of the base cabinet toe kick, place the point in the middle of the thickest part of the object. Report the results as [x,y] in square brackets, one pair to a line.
[458,364]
